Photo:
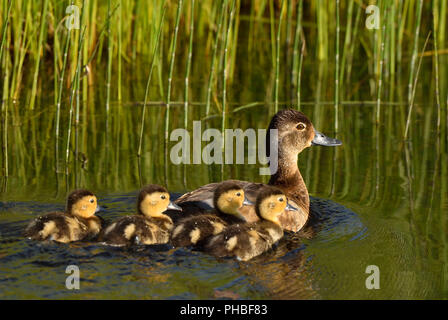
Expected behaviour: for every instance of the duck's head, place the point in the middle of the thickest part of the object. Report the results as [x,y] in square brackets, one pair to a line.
[296,132]
[229,198]
[271,203]
[82,203]
[153,200]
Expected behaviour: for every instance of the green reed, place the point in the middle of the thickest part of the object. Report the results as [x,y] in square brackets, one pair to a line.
[435,14]
[225,68]
[414,89]
[214,53]
[298,61]
[336,72]
[415,49]
[59,98]
[73,96]
[119,48]
[109,57]
[170,77]
[380,77]
[347,40]
[154,58]
[188,67]
[254,69]
[277,56]
[4,28]
[43,23]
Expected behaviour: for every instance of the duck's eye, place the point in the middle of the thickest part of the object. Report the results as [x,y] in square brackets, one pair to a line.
[163,197]
[92,200]
[238,194]
[280,199]
[301,126]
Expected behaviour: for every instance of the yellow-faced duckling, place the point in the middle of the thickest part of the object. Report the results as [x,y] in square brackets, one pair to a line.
[228,199]
[149,226]
[246,241]
[295,133]
[78,222]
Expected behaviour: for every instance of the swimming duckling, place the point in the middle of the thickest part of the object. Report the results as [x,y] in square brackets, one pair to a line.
[246,241]
[149,226]
[78,222]
[295,133]
[228,199]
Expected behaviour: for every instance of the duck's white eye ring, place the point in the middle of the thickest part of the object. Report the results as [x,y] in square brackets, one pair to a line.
[92,200]
[163,197]
[301,126]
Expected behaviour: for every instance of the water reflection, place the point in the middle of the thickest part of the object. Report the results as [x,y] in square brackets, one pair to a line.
[395,187]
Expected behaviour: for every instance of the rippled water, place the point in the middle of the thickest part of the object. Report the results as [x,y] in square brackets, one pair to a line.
[37,270]
[379,202]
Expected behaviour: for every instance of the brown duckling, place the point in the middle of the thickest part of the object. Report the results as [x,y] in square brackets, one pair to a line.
[246,241]
[295,133]
[149,226]
[78,222]
[228,199]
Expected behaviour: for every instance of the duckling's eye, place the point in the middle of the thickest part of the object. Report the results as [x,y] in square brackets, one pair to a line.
[280,199]
[301,126]
[163,197]
[238,194]
[92,200]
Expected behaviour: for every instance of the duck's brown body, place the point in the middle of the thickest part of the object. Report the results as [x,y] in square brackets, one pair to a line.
[138,229]
[244,241]
[63,227]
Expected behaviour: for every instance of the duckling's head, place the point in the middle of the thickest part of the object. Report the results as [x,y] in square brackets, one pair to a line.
[229,198]
[153,200]
[296,132]
[270,204]
[82,203]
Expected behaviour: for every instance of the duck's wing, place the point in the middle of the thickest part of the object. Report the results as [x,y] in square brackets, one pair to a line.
[205,193]
[201,199]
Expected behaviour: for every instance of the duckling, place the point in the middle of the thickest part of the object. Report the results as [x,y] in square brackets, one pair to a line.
[246,241]
[78,222]
[228,199]
[149,226]
[295,133]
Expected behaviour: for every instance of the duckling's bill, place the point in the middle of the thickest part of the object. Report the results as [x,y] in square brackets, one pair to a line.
[247,202]
[173,206]
[289,207]
[322,140]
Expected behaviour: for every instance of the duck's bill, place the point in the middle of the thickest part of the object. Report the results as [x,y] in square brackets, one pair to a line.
[98,209]
[174,206]
[322,140]
[291,208]
[247,202]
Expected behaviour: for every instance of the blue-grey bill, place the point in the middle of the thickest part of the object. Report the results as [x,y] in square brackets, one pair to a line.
[98,209]
[174,206]
[291,208]
[322,140]
[247,202]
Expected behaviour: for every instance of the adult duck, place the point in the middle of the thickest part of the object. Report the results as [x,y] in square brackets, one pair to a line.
[295,132]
